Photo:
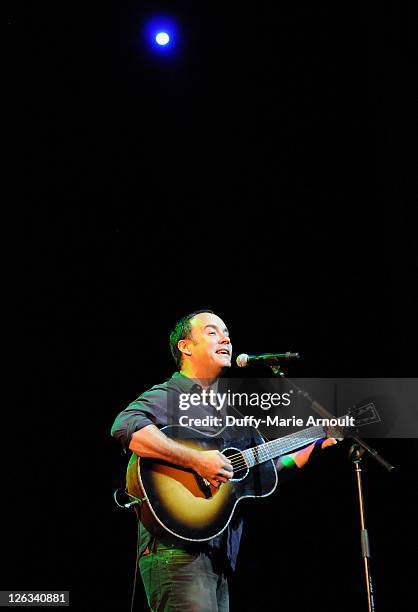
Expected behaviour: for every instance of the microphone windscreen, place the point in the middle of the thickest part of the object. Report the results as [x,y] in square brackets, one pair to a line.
[242,360]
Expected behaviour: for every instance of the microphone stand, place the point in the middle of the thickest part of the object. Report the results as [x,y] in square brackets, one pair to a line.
[356,452]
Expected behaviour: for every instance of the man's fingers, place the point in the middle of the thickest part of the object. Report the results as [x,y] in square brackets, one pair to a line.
[221,478]
[218,481]
[227,474]
[328,442]
[226,460]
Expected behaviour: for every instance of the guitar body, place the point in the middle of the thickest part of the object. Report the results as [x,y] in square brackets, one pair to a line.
[180,502]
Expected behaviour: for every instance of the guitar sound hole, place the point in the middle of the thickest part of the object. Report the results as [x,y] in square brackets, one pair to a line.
[238,463]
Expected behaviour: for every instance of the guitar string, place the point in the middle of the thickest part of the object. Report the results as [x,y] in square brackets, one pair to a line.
[283,442]
[279,447]
[239,463]
[263,452]
[274,445]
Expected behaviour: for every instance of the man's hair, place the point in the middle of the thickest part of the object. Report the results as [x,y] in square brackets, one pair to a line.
[181,331]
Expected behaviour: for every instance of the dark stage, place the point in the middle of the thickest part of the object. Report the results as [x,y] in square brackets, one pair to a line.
[261,168]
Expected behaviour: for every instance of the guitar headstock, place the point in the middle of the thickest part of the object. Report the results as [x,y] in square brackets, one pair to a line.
[363,415]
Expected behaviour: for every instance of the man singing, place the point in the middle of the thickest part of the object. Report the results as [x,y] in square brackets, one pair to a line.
[177,574]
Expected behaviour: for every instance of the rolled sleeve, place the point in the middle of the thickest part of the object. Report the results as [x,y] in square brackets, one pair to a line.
[150,408]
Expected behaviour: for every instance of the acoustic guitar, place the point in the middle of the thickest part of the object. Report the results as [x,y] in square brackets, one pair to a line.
[180,502]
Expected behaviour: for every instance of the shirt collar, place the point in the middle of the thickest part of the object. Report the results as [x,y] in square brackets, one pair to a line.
[189,385]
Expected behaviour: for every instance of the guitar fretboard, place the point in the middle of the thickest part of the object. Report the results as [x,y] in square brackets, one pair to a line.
[282,446]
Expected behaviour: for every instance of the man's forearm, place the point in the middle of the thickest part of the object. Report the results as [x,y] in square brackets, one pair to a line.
[301,457]
[153,443]
[294,459]
[210,464]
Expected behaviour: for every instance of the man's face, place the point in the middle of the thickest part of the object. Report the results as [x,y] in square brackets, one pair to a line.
[210,345]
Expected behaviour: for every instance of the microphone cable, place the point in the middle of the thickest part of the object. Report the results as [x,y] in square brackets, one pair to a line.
[131,506]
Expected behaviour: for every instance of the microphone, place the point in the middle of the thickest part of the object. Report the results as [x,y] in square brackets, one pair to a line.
[244,360]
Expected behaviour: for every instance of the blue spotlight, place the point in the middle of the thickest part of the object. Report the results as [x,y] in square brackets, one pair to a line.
[161,32]
[162,38]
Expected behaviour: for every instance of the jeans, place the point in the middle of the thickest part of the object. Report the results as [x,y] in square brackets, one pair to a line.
[175,579]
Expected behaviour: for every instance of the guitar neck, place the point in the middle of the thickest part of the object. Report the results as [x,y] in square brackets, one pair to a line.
[282,446]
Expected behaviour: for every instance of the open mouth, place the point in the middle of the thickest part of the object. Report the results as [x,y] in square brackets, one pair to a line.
[222,352]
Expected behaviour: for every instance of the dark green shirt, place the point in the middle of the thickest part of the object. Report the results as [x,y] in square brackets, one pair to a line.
[160,406]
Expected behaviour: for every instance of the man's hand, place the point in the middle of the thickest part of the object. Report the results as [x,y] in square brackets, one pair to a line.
[213,466]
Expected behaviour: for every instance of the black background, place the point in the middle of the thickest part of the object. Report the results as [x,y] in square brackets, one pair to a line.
[263,170]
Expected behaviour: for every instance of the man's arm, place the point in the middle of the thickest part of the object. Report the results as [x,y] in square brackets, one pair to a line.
[301,457]
[150,442]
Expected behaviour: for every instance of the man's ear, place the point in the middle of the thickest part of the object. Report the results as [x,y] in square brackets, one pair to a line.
[184,346]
